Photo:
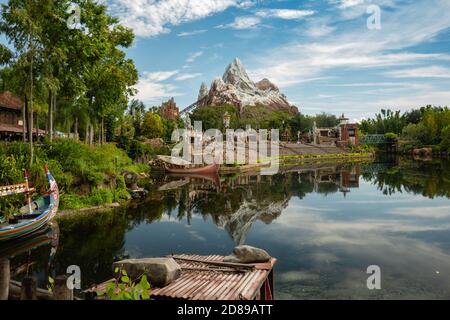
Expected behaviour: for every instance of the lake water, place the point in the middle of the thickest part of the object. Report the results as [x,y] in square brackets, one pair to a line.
[324,225]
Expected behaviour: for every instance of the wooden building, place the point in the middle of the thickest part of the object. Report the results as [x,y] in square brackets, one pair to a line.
[342,135]
[11,117]
[11,120]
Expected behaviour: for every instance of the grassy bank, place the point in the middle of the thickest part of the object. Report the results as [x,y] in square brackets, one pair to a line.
[87,175]
[299,160]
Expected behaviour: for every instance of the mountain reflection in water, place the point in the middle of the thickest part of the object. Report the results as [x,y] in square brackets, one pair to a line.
[325,225]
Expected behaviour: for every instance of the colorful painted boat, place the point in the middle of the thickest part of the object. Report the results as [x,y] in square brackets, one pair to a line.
[41,211]
[48,235]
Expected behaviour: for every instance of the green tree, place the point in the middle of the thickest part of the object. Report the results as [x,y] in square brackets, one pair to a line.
[212,116]
[169,127]
[416,133]
[445,135]
[152,126]
[84,70]
[430,122]
[384,122]
[137,111]
[325,120]
[21,23]
[301,123]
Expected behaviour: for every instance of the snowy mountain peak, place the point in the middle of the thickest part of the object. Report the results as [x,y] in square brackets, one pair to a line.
[236,75]
[238,89]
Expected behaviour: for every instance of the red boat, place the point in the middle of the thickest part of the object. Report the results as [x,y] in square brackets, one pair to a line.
[209,169]
[180,166]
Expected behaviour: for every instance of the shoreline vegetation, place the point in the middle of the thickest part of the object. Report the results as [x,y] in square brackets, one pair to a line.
[92,177]
[88,176]
[79,86]
[297,160]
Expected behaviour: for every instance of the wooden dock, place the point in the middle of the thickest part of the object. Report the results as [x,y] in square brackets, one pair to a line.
[209,278]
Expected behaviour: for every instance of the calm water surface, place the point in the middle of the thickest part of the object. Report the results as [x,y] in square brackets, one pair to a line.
[325,226]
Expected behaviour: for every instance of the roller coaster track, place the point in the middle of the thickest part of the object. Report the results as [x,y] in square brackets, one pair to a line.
[193,105]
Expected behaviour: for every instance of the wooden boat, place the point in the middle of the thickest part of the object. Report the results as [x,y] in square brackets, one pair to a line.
[40,212]
[48,235]
[180,166]
[208,169]
[214,177]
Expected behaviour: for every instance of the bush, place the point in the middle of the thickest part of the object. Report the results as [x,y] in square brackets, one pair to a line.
[416,132]
[391,136]
[445,143]
[72,164]
[152,126]
[137,150]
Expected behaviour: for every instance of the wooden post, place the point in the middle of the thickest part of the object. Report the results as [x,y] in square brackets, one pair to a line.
[4,279]
[27,193]
[29,288]
[62,292]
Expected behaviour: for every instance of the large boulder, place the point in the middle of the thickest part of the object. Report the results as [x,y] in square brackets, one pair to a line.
[131,179]
[247,254]
[160,271]
[424,152]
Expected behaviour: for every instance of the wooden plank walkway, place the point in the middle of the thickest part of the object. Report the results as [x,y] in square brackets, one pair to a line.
[205,278]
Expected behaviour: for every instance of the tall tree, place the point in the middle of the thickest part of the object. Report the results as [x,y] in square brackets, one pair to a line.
[83,70]
[21,22]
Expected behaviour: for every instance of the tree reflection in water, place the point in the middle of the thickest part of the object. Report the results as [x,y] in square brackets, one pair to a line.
[93,241]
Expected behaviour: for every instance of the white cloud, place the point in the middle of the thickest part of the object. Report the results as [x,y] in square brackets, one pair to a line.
[325,96]
[253,21]
[194,56]
[152,89]
[287,14]
[344,4]
[425,72]
[435,212]
[160,75]
[415,100]
[319,30]
[187,76]
[359,48]
[191,33]
[149,18]
[241,23]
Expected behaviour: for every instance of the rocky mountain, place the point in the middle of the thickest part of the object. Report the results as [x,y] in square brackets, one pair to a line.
[203,91]
[236,88]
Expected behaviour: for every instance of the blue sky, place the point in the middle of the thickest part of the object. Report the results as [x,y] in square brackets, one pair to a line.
[320,53]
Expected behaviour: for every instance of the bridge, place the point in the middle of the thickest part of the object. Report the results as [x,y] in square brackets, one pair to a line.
[374,139]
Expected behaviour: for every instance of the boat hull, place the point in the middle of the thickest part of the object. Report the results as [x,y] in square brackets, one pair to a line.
[40,218]
[209,169]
